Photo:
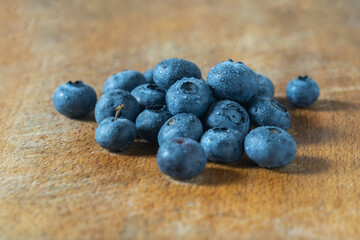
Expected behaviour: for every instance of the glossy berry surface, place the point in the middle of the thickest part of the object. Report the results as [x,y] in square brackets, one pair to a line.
[270,147]
[232,81]
[170,70]
[149,95]
[115,135]
[228,114]
[149,122]
[106,105]
[74,99]
[126,80]
[189,95]
[181,158]
[302,91]
[268,112]
[149,76]
[266,87]
[181,125]
[223,145]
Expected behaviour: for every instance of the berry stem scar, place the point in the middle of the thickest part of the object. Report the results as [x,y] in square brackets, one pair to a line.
[118,110]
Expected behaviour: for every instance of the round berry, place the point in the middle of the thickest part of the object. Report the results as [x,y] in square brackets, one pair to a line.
[266,87]
[149,76]
[149,95]
[126,80]
[302,91]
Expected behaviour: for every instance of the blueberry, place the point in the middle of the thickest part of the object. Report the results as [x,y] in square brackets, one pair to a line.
[266,87]
[115,134]
[223,145]
[168,71]
[181,125]
[233,81]
[149,122]
[302,91]
[149,76]
[126,80]
[228,114]
[149,95]
[74,99]
[110,100]
[181,158]
[268,112]
[270,146]
[188,95]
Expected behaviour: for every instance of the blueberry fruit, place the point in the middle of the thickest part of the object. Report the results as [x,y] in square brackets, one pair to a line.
[268,112]
[302,91]
[188,95]
[270,147]
[168,71]
[181,158]
[266,87]
[228,114]
[181,125]
[110,100]
[115,133]
[126,80]
[233,81]
[223,145]
[149,122]
[149,95]
[149,76]
[74,99]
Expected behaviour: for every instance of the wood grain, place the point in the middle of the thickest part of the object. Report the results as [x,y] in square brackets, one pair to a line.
[57,183]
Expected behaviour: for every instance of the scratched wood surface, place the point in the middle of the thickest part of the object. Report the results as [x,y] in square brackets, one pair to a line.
[57,183]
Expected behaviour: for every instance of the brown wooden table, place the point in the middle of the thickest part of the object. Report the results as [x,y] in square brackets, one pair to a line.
[57,183]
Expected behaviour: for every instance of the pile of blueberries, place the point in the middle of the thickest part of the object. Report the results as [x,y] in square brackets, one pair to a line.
[192,120]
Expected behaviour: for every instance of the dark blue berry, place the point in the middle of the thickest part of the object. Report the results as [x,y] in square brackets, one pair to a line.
[228,114]
[149,95]
[302,91]
[149,122]
[74,99]
[149,76]
[106,105]
[189,95]
[181,158]
[181,125]
[233,81]
[126,80]
[270,147]
[168,71]
[223,145]
[266,87]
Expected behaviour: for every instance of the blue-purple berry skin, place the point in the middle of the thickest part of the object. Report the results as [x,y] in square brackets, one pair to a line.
[266,87]
[181,158]
[74,99]
[149,95]
[107,103]
[232,81]
[223,145]
[170,70]
[270,147]
[126,80]
[115,135]
[148,74]
[302,91]
[181,125]
[189,95]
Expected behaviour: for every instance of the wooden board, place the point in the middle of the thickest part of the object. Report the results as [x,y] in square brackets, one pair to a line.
[57,183]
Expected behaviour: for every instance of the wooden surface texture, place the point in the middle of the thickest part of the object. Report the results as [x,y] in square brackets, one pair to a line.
[57,183]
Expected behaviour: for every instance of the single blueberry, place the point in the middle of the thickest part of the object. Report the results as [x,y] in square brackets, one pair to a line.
[268,112]
[233,81]
[302,91]
[149,95]
[181,125]
[266,87]
[270,146]
[149,122]
[223,145]
[188,95]
[126,80]
[74,99]
[181,158]
[228,114]
[149,76]
[168,71]
[106,105]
